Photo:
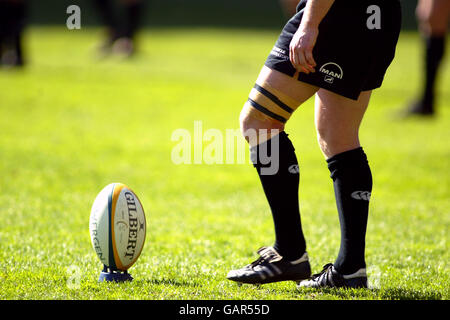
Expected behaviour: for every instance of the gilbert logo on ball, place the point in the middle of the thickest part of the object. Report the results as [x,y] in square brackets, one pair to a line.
[117,227]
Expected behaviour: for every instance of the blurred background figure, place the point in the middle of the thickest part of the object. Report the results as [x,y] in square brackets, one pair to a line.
[289,7]
[433,18]
[12,24]
[122,19]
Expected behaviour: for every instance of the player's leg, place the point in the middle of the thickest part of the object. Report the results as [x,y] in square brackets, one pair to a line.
[13,24]
[293,91]
[337,122]
[271,102]
[106,12]
[21,16]
[133,10]
[433,17]
[3,27]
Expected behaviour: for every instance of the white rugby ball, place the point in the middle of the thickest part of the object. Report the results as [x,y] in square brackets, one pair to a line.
[117,226]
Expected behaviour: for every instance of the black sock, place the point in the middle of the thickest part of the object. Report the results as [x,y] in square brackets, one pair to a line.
[107,13]
[19,26]
[352,180]
[434,52]
[3,28]
[133,15]
[281,190]
[12,25]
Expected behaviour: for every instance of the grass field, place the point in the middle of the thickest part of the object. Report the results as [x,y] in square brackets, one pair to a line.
[71,124]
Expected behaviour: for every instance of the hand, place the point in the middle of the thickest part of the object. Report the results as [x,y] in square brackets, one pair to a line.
[301,47]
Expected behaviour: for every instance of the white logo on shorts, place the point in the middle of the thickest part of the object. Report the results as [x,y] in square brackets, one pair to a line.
[332,71]
[361,195]
[278,52]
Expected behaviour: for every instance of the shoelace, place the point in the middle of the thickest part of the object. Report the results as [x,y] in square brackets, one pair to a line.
[257,262]
[324,271]
[267,255]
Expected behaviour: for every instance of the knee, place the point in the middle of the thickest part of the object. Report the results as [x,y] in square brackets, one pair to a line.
[326,132]
[332,142]
[256,127]
[325,138]
[252,119]
[245,121]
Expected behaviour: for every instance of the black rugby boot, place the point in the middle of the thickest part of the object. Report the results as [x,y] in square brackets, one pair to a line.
[272,267]
[329,277]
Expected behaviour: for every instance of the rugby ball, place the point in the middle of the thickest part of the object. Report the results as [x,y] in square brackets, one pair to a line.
[117,226]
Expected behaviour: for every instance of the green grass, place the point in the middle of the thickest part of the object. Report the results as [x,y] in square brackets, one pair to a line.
[70,124]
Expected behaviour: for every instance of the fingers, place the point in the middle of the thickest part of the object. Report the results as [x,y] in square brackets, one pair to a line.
[293,57]
[301,49]
[304,63]
[302,60]
[310,59]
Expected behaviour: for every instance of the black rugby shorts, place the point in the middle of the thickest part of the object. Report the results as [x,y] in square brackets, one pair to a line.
[353,49]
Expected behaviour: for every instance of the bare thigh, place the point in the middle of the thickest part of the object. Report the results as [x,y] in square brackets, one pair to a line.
[290,86]
[433,16]
[337,121]
[250,118]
